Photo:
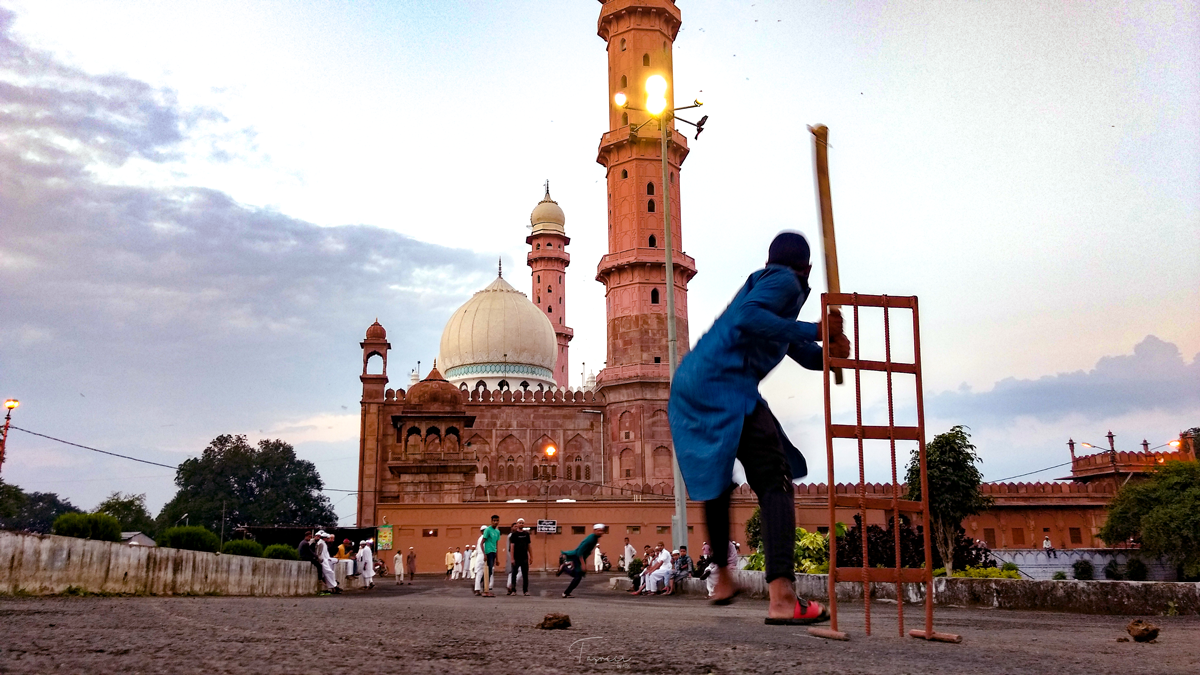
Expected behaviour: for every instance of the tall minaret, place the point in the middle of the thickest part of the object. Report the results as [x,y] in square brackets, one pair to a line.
[640,34]
[548,259]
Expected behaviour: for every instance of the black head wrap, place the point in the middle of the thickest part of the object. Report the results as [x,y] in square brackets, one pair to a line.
[790,249]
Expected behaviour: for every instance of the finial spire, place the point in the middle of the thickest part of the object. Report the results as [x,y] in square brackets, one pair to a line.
[547,189]
[500,266]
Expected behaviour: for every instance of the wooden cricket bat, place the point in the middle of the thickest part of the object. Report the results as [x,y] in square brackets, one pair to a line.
[821,147]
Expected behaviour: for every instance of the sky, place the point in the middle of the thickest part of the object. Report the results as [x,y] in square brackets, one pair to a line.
[204,205]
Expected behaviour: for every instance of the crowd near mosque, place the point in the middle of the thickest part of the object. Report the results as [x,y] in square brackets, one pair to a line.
[661,569]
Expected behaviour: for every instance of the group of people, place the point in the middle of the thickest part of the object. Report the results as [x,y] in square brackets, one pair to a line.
[662,569]
[315,548]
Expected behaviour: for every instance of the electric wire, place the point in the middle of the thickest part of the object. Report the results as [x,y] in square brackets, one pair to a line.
[103,452]
[1030,473]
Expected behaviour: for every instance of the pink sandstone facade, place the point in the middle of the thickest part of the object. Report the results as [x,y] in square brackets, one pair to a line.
[437,461]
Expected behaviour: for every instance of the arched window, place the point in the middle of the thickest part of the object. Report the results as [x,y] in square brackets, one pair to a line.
[624,123]
[463,386]
[485,473]
[622,44]
[672,174]
[624,82]
[481,385]
[649,188]
[645,59]
[653,241]
[549,309]
[560,321]
[549,289]
[587,472]
[624,173]
[511,472]
[503,385]
[650,206]
[654,296]
[520,472]
[525,385]
[538,247]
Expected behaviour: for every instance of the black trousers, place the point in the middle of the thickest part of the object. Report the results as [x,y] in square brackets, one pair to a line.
[770,476]
[577,572]
[523,565]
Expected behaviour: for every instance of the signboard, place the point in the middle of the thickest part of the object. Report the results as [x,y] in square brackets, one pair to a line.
[547,526]
[383,538]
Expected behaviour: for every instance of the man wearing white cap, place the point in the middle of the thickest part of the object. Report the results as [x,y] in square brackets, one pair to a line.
[519,555]
[480,565]
[656,580]
[326,561]
[579,554]
[366,563]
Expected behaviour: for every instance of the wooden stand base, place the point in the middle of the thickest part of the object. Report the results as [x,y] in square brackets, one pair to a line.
[828,634]
[935,636]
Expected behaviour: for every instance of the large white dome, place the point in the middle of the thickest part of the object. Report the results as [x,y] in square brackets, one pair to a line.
[498,334]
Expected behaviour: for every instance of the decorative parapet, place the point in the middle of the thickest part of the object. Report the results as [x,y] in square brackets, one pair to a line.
[1101,463]
[559,396]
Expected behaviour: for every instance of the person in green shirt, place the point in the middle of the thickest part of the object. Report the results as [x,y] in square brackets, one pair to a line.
[491,536]
[577,556]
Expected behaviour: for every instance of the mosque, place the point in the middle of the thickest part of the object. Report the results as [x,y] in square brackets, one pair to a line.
[493,428]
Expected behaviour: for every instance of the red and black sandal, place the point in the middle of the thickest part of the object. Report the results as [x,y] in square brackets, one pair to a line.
[805,613]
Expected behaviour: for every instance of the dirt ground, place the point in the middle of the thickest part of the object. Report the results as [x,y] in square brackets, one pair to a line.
[434,626]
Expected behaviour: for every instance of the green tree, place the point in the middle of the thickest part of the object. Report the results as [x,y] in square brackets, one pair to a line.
[754,529]
[129,510]
[263,485]
[954,482]
[30,511]
[99,526]
[1162,513]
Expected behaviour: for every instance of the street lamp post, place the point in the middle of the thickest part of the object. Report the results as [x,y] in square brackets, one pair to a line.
[549,451]
[658,108]
[10,404]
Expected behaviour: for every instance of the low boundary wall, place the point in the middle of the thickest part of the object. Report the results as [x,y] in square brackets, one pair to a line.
[44,564]
[1039,564]
[1144,598]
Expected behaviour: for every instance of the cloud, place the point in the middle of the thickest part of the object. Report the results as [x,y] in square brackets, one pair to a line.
[147,318]
[1154,378]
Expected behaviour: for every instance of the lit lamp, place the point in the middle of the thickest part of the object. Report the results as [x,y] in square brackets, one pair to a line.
[10,404]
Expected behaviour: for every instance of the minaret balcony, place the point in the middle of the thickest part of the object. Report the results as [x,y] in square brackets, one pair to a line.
[645,256]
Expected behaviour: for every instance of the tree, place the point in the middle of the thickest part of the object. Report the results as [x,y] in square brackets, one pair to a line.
[30,511]
[1162,513]
[129,510]
[954,482]
[266,485]
[754,530]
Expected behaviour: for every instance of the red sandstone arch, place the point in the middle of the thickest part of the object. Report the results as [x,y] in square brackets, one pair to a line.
[661,461]
[628,470]
[658,429]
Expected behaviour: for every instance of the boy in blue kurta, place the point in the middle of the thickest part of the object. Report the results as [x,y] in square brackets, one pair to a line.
[717,415]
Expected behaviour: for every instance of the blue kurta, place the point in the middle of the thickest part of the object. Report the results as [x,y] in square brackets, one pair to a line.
[716,385]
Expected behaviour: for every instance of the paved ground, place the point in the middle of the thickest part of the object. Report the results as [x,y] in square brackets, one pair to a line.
[435,627]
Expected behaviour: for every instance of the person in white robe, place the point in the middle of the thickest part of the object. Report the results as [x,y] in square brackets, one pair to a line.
[480,567]
[366,563]
[327,562]
[630,554]
[398,566]
[467,562]
[656,582]
[458,566]
[597,563]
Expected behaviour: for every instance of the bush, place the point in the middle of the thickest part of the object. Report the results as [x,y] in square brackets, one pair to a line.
[635,570]
[193,538]
[1059,576]
[246,547]
[1135,570]
[281,552]
[1010,567]
[987,573]
[756,562]
[1112,570]
[98,526]
[1084,570]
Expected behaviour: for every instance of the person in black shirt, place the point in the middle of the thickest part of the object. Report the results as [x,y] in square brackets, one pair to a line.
[306,553]
[519,553]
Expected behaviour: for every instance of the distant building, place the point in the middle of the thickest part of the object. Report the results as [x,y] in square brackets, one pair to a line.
[136,539]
